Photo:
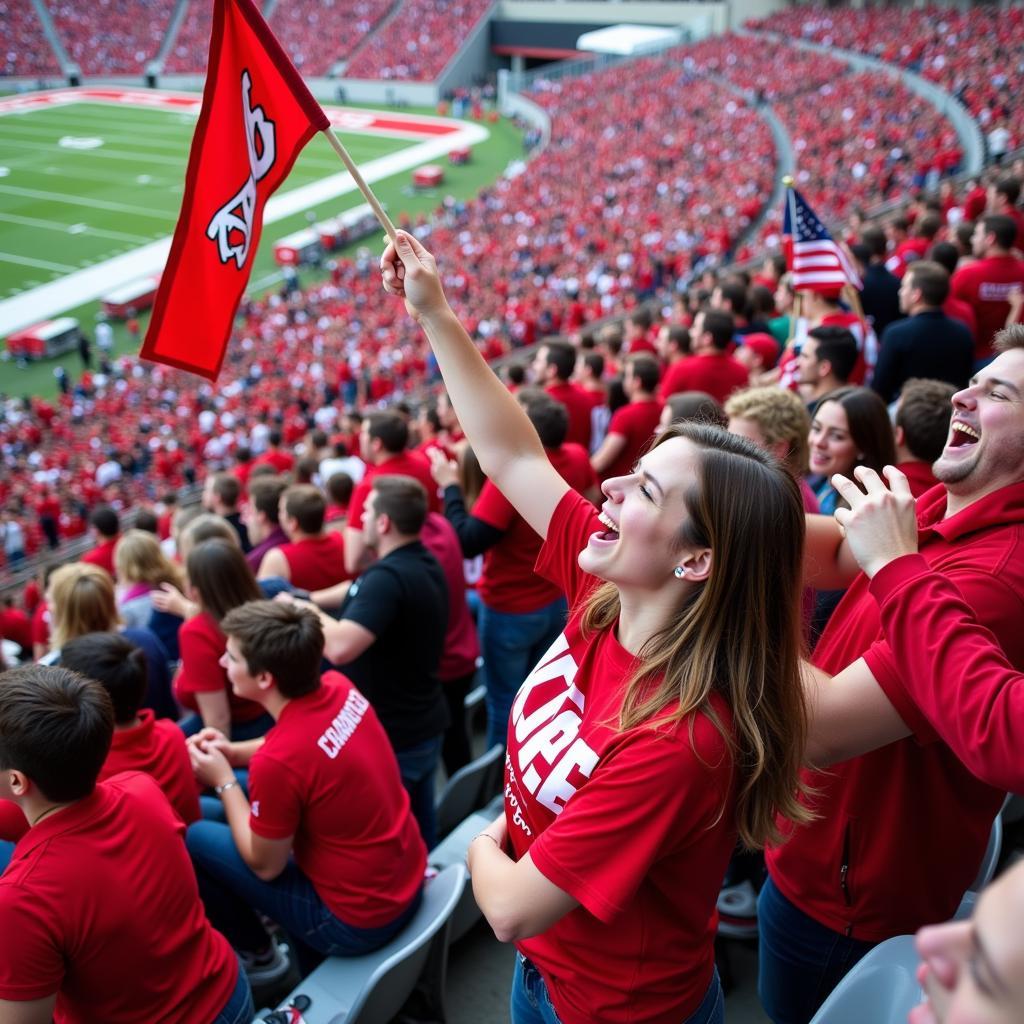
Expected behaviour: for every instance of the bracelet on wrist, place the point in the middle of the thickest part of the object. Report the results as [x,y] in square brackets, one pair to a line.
[486,835]
[220,790]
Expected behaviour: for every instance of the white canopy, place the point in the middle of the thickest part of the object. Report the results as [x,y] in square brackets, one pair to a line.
[628,39]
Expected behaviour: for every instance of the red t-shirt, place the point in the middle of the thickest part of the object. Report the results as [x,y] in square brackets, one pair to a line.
[508,583]
[15,625]
[920,477]
[884,815]
[201,645]
[156,747]
[327,776]
[280,460]
[404,464]
[638,826]
[578,404]
[100,904]
[635,422]
[985,284]
[103,556]
[461,647]
[714,373]
[316,563]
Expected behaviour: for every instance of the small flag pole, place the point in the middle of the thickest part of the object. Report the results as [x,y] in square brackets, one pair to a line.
[385,220]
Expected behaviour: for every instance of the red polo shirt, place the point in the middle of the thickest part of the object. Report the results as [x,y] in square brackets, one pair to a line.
[103,556]
[715,373]
[908,822]
[985,285]
[635,423]
[100,904]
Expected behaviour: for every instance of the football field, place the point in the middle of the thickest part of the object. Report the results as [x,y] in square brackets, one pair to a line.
[91,184]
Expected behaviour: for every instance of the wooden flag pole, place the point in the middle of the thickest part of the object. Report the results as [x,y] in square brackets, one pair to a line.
[794,315]
[385,220]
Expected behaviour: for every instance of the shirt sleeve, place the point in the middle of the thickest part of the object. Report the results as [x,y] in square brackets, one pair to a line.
[357,502]
[376,601]
[659,797]
[493,508]
[572,523]
[275,803]
[475,536]
[952,677]
[31,956]
[200,660]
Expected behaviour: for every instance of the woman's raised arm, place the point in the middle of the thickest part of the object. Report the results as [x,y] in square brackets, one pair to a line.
[498,430]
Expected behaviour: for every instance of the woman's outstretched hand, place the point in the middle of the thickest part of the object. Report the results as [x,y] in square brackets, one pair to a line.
[411,272]
[880,523]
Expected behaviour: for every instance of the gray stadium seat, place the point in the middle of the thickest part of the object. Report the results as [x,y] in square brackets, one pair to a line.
[882,988]
[371,989]
[452,850]
[985,872]
[469,788]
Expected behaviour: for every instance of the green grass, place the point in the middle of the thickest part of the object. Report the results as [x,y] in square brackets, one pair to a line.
[128,192]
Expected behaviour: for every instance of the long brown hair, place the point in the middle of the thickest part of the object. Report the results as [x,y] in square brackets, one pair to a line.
[739,633]
[221,577]
[83,602]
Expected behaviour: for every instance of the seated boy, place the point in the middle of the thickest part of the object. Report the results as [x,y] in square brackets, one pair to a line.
[142,742]
[100,918]
[328,847]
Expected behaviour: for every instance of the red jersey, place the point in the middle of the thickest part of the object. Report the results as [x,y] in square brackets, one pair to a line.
[508,583]
[636,422]
[920,477]
[404,464]
[985,285]
[714,373]
[866,867]
[578,404]
[327,776]
[201,644]
[954,681]
[103,556]
[156,746]
[316,563]
[15,625]
[615,819]
[96,896]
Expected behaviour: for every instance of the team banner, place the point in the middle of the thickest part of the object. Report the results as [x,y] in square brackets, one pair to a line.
[257,114]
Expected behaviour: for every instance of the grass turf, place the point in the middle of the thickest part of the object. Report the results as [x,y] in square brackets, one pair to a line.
[63,208]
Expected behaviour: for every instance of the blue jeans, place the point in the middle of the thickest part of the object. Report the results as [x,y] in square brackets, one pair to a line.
[801,961]
[239,1009]
[511,646]
[418,767]
[6,853]
[531,1004]
[232,894]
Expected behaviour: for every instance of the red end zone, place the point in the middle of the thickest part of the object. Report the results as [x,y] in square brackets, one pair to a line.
[349,119]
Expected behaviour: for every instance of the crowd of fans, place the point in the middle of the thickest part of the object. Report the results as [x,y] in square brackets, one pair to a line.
[112,37]
[419,41]
[25,48]
[318,34]
[192,44]
[970,53]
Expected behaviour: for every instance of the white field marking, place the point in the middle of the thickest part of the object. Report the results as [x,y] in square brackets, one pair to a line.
[108,153]
[10,257]
[74,229]
[97,204]
[4,171]
[35,304]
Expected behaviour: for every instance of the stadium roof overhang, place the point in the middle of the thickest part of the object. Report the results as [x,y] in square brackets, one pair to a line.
[629,39]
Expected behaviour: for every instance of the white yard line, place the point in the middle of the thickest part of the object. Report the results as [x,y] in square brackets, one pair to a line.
[10,257]
[62,228]
[83,286]
[95,204]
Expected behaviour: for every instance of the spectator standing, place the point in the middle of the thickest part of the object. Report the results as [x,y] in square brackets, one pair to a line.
[711,368]
[553,368]
[986,283]
[261,517]
[1003,197]
[106,530]
[825,361]
[880,294]
[927,344]
[222,493]
[632,427]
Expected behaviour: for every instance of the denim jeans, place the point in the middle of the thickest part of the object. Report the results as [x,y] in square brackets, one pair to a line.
[801,961]
[6,853]
[511,646]
[531,1003]
[418,768]
[232,894]
[239,1009]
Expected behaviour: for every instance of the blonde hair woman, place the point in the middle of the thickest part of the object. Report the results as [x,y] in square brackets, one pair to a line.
[141,567]
[81,600]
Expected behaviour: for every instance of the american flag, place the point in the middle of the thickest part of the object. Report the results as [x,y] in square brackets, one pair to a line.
[815,260]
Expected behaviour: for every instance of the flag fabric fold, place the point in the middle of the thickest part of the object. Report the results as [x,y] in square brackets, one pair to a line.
[256,117]
[816,261]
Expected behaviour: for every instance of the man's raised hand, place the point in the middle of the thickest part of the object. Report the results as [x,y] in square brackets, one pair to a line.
[880,524]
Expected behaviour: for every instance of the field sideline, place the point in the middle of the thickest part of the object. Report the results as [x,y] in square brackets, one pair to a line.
[91,183]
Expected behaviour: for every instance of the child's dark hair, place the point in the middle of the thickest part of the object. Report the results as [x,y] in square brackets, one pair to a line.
[116,663]
[55,727]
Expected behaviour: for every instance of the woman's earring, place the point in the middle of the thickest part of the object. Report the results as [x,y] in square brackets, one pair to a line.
[679,572]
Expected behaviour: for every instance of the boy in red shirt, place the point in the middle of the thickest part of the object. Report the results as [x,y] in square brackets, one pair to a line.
[72,951]
[328,846]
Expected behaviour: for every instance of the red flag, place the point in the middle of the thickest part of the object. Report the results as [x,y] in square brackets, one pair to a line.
[257,115]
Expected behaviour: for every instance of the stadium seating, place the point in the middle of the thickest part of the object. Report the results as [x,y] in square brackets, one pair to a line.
[25,49]
[469,789]
[112,37]
[317,33]
[192,45]
[419,41]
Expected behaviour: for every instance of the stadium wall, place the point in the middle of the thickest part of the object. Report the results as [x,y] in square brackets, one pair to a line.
[700,19]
